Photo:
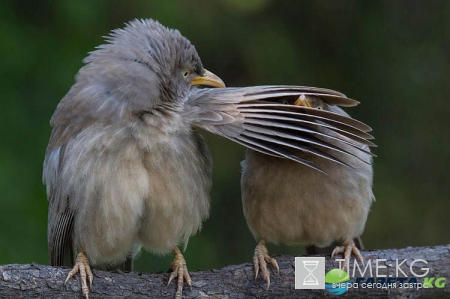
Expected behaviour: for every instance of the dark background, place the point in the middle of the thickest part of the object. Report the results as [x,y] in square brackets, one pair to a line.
[393,56]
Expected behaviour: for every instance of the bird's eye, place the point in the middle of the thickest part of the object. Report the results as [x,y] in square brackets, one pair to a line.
[285,102]
[319,107]
[186,73]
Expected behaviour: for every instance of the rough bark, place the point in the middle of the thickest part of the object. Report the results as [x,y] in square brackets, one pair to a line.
[236,281]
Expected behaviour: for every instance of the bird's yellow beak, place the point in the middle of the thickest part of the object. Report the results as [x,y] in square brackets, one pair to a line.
[302,101]
[208,79]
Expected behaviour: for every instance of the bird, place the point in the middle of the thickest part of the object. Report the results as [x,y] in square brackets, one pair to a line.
[126,168]
[296,204]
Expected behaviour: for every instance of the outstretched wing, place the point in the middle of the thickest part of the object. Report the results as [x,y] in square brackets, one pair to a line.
[257,118]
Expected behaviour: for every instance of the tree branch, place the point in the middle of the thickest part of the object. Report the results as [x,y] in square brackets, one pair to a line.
[236,281]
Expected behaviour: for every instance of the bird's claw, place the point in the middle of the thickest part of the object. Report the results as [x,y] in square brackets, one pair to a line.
[260,260]
[179,270]
[348,248]
[82,266]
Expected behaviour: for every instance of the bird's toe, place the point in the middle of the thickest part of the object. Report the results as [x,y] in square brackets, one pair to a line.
[348,248]
[82,266]
[260,260]
[179,271]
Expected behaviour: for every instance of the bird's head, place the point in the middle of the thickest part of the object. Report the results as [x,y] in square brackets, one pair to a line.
[143,66]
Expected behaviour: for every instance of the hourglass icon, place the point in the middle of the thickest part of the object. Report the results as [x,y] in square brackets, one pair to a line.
[310,279]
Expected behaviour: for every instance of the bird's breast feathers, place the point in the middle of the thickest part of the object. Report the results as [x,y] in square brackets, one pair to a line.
[130,181]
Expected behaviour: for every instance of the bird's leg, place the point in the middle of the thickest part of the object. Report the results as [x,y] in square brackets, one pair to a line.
[82,266]
[347,248]
[260,260]
[179,270]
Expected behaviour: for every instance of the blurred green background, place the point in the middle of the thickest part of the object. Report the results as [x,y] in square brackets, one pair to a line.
[393,56]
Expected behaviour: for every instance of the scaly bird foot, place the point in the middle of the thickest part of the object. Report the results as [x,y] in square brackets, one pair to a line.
[82,266]
[260,260]
[347,249]
[179,270]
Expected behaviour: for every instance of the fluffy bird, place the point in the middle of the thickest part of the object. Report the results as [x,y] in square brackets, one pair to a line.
[318,203]
[124,168]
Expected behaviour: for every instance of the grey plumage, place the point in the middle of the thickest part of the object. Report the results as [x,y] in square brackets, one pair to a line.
[294,204]
[256,118]
[124,168]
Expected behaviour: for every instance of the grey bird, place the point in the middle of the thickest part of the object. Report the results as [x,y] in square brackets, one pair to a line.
[125,169]
[318,203]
